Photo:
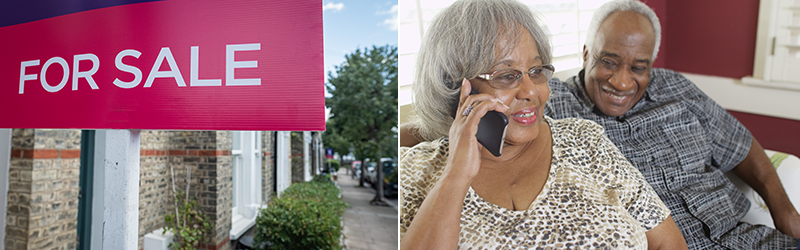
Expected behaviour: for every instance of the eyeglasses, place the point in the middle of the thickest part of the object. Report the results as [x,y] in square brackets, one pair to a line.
[509,78]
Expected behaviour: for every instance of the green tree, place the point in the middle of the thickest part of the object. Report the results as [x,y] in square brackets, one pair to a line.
[363,103]
[332,138]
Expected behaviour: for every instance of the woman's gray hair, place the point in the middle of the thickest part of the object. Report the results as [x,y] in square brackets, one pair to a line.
[607,9]
[461,43]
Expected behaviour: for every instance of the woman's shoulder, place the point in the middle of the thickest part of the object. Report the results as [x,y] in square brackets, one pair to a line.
[425,149]
[580,143]
[424,159]
[576,127]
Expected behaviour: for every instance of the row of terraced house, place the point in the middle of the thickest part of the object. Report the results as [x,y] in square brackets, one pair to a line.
[233,174]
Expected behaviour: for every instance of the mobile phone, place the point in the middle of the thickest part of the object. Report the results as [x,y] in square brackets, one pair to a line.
[491,129]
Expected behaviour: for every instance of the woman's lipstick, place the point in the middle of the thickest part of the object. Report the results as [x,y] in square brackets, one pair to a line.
[526,116]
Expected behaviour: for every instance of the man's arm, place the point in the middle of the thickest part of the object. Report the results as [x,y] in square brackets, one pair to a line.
[665,236]
[757,171]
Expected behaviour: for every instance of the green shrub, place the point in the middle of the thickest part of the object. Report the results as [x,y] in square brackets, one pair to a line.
[335,164]
[189,227]
[323,177]
[306,216]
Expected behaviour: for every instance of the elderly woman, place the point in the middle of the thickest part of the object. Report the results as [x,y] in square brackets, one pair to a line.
[557,183]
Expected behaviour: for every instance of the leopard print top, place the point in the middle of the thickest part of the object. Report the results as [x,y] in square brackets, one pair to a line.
[593,197]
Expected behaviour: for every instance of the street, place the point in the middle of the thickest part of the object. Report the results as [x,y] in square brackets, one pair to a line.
[393,200]
[367,226]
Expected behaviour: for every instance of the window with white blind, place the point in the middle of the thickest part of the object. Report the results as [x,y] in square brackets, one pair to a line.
[246,165]
[567,21]
[777,56]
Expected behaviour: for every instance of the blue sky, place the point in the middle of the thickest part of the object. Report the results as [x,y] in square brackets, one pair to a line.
[349,25]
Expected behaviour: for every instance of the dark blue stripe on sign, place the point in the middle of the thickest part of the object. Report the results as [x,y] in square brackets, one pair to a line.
[23,11]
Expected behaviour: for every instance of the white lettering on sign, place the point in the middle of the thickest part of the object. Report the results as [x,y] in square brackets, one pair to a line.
[194,71]
[174,72]
[137,73]
[64,66]
[164,54]
[77,74]
[25,77]
[231,64]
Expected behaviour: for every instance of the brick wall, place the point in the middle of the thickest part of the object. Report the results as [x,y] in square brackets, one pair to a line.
[267,165]
[44,176]
[43,189]
[222,190]
[297,157]
[155,196]
[19,189]
[208,155]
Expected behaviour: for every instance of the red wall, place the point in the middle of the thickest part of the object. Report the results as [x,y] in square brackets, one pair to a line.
[718,37]
[773,133]
[660,7]
[710,37]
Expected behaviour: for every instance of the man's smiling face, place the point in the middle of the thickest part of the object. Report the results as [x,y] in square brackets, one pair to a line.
[618,67]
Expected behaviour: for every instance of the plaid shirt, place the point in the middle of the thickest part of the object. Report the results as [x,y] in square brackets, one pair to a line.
[682,142]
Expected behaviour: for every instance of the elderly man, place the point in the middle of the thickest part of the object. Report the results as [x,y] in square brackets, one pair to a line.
[679,138]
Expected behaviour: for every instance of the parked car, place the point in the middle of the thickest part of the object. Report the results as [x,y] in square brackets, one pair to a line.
[390,178]
[355,169]
[389,182]
[372,173]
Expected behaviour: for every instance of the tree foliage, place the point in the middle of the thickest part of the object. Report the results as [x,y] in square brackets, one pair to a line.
[364,101]
[332,138]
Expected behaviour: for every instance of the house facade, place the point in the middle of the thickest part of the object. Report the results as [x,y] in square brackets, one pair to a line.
[232,174]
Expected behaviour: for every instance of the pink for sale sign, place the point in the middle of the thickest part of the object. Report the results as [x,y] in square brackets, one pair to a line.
[170,65]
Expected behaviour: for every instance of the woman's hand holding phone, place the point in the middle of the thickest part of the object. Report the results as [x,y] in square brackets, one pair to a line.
[464,154]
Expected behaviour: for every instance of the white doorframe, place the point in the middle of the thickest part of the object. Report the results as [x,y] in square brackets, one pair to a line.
[284,161]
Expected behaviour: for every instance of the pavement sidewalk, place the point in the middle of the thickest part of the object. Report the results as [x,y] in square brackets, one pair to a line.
[366,226]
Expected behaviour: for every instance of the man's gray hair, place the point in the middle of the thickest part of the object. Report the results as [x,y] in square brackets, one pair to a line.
[461,43]
[607,9]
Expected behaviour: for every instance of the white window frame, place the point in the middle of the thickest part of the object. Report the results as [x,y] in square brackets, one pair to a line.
[777,50]
[246,181]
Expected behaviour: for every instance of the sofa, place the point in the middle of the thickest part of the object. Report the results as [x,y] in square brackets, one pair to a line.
[788,168]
